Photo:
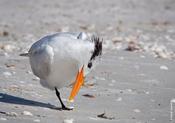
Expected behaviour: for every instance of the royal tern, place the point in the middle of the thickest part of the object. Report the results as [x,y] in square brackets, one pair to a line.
[63,59]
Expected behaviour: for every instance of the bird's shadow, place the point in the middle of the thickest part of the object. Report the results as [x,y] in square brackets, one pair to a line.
[6,98]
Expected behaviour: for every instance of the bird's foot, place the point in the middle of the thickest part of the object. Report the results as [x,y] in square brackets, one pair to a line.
[66,108]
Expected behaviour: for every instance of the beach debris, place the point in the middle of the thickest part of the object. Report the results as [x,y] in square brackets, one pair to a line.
[84,27]
[15,88]
[159,51]
[9,65]
[68,120]
[88,95]
[7,74]
[10,114]
[163,67]
[136,110]
[4,33]
[27,113]
[119,99]
[147,92]
[104,116]
[7,47]
[117,42]
[88,27]
[133,46]
[129,90]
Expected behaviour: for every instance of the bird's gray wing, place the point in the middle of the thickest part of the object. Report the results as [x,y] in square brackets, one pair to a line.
[41,61]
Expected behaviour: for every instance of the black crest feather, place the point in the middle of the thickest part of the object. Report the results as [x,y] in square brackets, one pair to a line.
[97,47]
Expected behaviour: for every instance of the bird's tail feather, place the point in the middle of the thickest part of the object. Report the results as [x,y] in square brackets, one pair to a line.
[24,54]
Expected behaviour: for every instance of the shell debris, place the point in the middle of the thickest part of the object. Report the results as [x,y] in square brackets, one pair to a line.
[68,120]
[27,113]
[163,67]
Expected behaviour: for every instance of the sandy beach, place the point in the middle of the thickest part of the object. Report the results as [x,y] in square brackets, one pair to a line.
[134,81]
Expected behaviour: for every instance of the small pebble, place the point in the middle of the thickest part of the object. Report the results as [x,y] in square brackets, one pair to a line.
[119,99]
[129,90]
[147,92]
[137,111]
[163,67]
[27,113]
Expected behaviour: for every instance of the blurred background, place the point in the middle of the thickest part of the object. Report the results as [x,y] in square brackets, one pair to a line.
[28,20]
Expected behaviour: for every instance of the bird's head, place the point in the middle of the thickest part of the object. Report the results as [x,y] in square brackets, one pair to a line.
[97,52]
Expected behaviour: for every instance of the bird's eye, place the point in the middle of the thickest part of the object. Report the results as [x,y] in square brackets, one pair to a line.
[89,64]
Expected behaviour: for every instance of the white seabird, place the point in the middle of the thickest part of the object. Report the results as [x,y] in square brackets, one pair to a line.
[62,59]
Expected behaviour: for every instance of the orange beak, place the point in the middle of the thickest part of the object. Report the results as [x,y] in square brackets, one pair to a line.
[78,83]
